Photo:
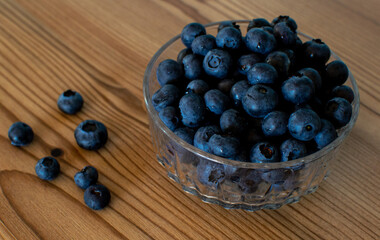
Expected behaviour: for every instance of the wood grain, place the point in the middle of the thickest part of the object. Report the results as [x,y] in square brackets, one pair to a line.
[101,48]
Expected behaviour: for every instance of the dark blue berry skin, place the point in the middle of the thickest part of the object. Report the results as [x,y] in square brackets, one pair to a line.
[275,124]
[167,95]
[190,32]
[203,135]
[315,53]
[288,20]
[259,41]
[168,71]
[86,177]
[47,168]
[193,110]
[292,149]
[304,124]
[217,63]
[97,197]
[259,100]
[336,73]
[192,66]
[210,174]
[91,134]
[268,29]
[199,87]
[233,123]
[182,54]
[262,73]
[169,116]
[229,38]
[280,61]
[252,136]
[225,85]
[186,134]
[264,152]
[70,102]
[203,44]
[238,91]
[284,35]
[224,146]
[338,111]
[298,90]
[258,23]
[313,75]
[225,24]
[20,134]
[326,135]
[343,92]
[276,176]
[246,62]
[216,101]
[250,180]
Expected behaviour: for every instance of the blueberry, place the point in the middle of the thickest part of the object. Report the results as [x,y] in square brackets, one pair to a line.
[91,134]
[167,95]
[250,180]
[225,24]
[238,91]
[70,102]
[284,35]
[275,124]
[224,146]
[343,92]
[199,87]
[97,197]
[268,29]
[186,134]
[229,38]
[336,73]
[259,100]
[338,111]
[292,149]
[246,62]
[190,32]
[47,168]
[20,134]
[298,90]
[182,54]
[264,152]
[86,177]
[288,20]
[203,44]
[262,73]
[210,173]
[315,53]
[216,101]
[192,109]
[313,75]
[276,176]
[280,61]
[225,85]
[259,41]
[169,117]
[203,135]
[192,65]
[232,122]
[304,124]
[326,135]
[168,71]
[252,136]
[258,23]
[217,63]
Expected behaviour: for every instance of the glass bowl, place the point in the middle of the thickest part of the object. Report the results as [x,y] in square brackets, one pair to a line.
[229,183]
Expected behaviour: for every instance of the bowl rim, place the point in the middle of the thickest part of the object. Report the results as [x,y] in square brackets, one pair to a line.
[344,132]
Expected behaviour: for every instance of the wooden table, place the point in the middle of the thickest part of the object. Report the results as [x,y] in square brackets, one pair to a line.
[101,48]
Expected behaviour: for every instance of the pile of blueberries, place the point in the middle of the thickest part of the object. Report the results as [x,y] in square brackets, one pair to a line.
[264,97]
[90,135]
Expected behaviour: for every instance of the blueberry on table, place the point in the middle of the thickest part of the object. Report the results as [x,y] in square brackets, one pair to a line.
[193,110]
[91,134]
[70,102]
[280,61]
[186,134]
[246,62]
[343,92]
[292,149]
[216,101]
[97,197]
[210,173]
[225,85]
[203,135]
[298,90]
[192,66]
[336,73]
[20,134]
[232,122]
[313,75]
[260,41]
[203,44]
[182,54]
[217,63]
[259,100]
[167,95]
[225,24]
[290,22]
[262,73]
[275,124]
[190,32]
[238,91]
[326,135]
[169,116]
[229,38]
[199,87]
[304,124]
[315,53]
[258,23]
[224,146]
[86,177]
[47,168]
[264,152]
[338,111]
[168,71]
[284,35]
